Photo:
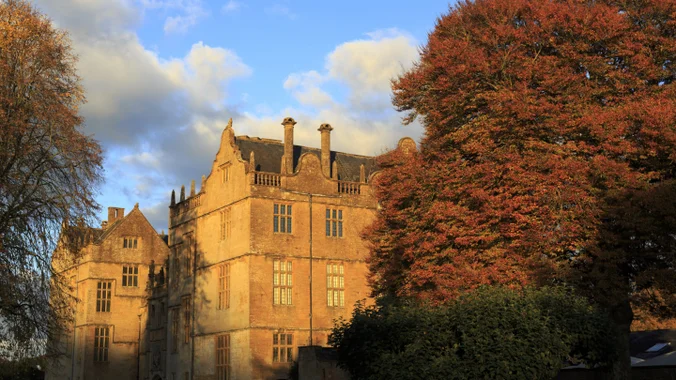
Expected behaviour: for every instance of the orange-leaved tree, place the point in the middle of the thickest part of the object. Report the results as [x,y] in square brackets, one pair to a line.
[48,173]
[548,154]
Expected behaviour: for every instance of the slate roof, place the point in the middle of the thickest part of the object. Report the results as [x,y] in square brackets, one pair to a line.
[268,155]
[641,341]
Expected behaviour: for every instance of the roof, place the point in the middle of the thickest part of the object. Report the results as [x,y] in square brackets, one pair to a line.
[641,341]
[268,155]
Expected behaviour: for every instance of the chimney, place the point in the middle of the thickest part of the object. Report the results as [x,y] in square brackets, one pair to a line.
[114,214]
[288,124]
[362,174]
[104,225]
[325,130]
[192,188]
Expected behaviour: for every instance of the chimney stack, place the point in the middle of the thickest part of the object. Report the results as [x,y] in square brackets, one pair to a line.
[288,124]
[114,214]
[325,130]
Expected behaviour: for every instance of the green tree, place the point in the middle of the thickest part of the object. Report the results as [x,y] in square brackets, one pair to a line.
[48,172]
[490,333]
[550,136]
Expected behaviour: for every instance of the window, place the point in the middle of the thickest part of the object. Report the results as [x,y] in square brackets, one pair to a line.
[188,255]
[225,172]
[226,226]
[130,275]
[177,269]
[223,286]
[101,343]
[334,222]
[281,221]
[335,285]
[282,348]
[282,282]
[186,319]
[130,242]
[103,296]
[223,357]
[152,315]
[175,312]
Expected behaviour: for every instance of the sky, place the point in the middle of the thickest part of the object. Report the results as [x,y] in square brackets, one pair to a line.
[162,78]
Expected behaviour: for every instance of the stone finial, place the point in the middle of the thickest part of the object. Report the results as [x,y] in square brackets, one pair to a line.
[182,198]
[334,170]
[192,188]
[229,126]
[136,205]
[204,183]
[252,162]
[173,198]
[362,173]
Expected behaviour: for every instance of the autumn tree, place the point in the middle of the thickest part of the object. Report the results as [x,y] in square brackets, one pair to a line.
[548,154]
[48,172]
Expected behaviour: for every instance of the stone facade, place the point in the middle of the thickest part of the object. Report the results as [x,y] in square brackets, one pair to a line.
[108,278]
[260,261]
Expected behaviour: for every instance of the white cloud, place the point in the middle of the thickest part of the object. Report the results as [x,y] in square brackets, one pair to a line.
[186,13]
[368,66]
[231,6]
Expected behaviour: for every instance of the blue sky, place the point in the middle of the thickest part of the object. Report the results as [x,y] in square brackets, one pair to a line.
[163,77]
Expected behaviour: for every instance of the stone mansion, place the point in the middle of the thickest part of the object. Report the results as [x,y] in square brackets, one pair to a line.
[261,260]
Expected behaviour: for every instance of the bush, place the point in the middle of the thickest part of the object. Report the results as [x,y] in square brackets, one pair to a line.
[492,333]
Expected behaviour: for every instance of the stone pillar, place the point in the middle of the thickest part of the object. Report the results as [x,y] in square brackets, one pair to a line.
[288,124]
[325,130]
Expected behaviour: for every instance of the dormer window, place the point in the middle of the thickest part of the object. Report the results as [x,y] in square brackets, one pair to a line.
[130,242]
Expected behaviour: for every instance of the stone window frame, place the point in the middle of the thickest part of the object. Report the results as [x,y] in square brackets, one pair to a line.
[190,257]
[222,343]
[282,218]
[101,343]
[131,242]
[225,172]
[175,323]
[282,282]
[335,284]
[103,295]
[186,308]
[334,222]
[223,286]
[226,224]
[282,347]
[130,276]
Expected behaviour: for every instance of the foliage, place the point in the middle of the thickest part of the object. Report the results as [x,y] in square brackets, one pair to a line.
[490,333]
[24,369]
[550,135]
[48,171]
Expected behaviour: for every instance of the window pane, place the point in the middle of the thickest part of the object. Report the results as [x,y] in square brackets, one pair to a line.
[275,296]
[289,339]
[288,210]
[328,213]
[342,298]
[288,225]
[340,229]
[288,267]
[340,214]
[289,297]
[135,280]
[282,209]
[329,298]
[282,224]
[275,354]
[275,265]
[124,280]
[275,223]
[276,209]
[124,270]
[289,356]
[275,338]
[328,228]
[288,280]
[334,214]
[328,268]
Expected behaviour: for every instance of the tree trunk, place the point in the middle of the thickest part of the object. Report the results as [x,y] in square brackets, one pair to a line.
[622,316]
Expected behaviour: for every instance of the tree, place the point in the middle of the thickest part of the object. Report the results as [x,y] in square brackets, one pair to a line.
[545,123]
[48,171]
[490,333]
